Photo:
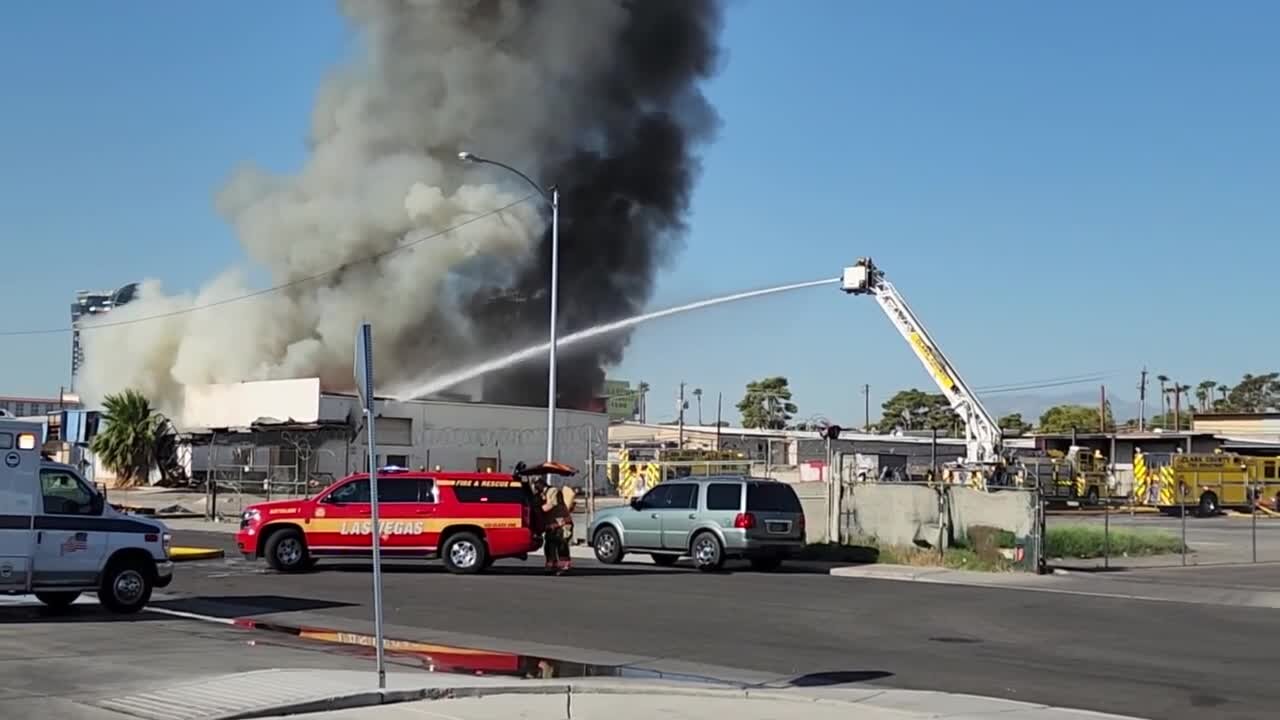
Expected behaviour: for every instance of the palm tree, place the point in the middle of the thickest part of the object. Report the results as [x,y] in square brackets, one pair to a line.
[642,391]
[127,441]
[1204,394]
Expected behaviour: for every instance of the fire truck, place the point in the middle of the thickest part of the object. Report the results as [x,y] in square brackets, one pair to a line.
[1209,482]
[1075,477]
[636,467]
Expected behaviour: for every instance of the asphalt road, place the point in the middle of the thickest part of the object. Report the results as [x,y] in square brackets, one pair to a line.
[56,665]
[1147,659]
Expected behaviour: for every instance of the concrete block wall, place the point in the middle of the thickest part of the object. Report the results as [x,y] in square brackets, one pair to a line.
[909,514]
[1010,510]
[891,513]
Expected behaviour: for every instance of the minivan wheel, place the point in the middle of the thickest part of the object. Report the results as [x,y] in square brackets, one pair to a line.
[607,546]
[58,599]
[708,555]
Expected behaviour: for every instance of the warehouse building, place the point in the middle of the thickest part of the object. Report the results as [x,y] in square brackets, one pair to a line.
[293,436]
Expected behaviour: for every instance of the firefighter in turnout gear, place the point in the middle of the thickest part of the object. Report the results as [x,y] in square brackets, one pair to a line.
[557,513]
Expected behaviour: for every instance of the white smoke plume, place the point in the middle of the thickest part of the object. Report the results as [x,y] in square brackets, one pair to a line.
[503,78]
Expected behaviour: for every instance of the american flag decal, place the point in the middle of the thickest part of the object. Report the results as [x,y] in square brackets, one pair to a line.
[75,543]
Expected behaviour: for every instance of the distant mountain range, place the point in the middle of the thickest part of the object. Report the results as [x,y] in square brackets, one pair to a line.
[1032,406]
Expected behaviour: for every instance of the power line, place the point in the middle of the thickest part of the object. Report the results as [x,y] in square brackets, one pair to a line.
[274,288]
[1046,383]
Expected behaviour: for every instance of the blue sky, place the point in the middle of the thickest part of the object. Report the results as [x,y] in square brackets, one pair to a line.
[1059,190]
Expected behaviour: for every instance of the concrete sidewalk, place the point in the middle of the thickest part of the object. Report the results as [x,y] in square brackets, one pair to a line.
[347,695]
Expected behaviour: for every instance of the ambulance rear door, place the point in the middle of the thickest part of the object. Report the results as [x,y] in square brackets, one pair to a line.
[19,473]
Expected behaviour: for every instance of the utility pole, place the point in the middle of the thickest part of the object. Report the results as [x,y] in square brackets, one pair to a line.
[866,407]
[1102,410]
[680,405]
[1142,401]
[719,398]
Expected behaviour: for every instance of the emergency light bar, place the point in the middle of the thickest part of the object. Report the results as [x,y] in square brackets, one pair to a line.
[393,469]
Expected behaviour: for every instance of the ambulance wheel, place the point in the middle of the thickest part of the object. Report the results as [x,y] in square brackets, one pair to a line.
[58,600]
[286,551]
[464,553]
[126,586]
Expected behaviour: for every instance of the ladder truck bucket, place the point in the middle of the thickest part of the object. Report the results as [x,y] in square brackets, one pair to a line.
[858,278]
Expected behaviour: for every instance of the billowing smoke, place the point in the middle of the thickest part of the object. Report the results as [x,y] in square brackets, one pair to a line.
[600,97]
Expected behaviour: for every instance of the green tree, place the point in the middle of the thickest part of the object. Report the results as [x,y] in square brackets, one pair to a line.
[916,409]
[1255,393]
[767,404]
[126,442]
[1013,424]
[1084,418]
[1165,421]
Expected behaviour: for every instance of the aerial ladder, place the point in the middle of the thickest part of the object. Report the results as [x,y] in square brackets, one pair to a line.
[984,461]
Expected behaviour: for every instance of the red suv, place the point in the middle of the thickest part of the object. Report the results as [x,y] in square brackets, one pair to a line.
[467,519]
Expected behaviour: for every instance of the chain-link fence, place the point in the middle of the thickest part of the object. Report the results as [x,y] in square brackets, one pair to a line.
[1164,510]
[1117,534]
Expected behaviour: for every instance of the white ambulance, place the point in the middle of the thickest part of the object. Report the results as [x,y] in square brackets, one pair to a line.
[59,538]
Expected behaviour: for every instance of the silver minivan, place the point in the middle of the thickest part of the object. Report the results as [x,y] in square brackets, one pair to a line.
[710,519]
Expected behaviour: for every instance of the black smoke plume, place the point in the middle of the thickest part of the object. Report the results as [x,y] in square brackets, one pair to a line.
[601,97]
[625,187]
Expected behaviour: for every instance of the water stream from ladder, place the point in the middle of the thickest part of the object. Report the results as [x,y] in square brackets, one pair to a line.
[456,377]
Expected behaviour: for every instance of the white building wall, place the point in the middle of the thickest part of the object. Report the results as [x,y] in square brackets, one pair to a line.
[462,436]
[428,433]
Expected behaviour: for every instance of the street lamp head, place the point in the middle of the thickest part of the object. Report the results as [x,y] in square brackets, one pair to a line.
[465,156]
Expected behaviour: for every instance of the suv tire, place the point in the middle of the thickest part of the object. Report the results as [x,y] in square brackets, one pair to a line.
[607,546]
[708,554]
[464,553]
[126,586]
[286,551]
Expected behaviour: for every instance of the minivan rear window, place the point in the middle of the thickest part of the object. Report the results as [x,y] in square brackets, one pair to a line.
[772,497]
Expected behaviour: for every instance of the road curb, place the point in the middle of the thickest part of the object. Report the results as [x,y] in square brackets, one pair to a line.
[905,702]
[188,554]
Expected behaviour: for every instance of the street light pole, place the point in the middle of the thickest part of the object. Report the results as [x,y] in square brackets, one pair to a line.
[552,197]
[555,295]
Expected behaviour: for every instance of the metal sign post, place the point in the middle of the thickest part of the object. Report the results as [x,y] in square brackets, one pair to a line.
[364,385]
